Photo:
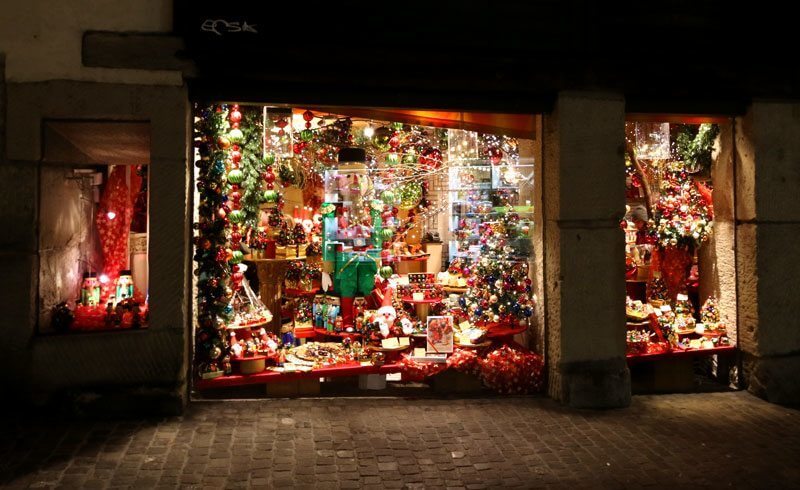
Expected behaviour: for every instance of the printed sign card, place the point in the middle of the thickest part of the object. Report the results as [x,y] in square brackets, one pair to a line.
[440,334]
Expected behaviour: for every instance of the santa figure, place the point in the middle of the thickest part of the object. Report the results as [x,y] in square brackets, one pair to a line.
[386,314]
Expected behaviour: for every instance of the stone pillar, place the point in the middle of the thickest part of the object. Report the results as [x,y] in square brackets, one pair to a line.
[768,257]
[584,201]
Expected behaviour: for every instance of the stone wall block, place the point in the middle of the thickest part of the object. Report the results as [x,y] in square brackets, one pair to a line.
[592,293]
[591,156]
[18,200]
[776,135]
[778,303]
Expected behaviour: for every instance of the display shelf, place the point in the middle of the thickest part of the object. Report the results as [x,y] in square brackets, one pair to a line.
[304,332]
[505,331]
[455,289]
[680,353]
[349,369]
[412,258]
[248,258]
[243,327]
[341,335]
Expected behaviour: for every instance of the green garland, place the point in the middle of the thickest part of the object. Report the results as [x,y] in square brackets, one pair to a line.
[694,149]
[252,165]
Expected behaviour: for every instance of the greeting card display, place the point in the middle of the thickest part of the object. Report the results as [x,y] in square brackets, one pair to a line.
[440,334]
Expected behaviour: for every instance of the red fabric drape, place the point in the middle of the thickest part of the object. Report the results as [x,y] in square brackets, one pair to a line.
[113,222]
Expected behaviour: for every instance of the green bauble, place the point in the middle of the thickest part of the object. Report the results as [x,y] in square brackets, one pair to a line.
[236,216]
[270,195]
[410,194]
[387,234]
[409,158]
[392,159]
[235,136]
[235,176]
[236,257]
[386,271]
[306,135]
[381,138]
[387,197]
[269,159]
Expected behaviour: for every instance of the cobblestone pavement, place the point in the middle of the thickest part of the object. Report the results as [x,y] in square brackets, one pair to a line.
[712,440]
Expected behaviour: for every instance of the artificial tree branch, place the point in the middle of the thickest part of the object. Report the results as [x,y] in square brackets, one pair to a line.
[645,179]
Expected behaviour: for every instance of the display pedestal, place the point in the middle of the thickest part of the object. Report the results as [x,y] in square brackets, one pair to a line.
[666,376]
[422,307]
[271,273]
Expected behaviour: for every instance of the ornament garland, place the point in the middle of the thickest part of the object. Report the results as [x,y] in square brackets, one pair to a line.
[211,254]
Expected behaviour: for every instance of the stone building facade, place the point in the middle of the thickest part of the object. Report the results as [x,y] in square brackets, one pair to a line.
[89,60]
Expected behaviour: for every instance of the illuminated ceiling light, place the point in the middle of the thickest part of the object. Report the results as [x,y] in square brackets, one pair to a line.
[369,131]
[111,215]
[103,278]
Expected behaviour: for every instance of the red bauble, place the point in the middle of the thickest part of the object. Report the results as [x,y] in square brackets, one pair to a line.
[235,116]
[495,155]
[431,158]
[221,213]
[236,156]
[308,116]
[269,177]
[235,196]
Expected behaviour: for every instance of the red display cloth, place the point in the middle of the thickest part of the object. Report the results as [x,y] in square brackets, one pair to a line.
[348,369]
[113,222]
[674,264]
[658,355]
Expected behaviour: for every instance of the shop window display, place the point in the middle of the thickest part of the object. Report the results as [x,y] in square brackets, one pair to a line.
[93,227]
[329,209]
[94,218]
[674,172]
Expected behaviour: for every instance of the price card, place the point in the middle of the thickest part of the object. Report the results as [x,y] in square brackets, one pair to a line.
[390,343]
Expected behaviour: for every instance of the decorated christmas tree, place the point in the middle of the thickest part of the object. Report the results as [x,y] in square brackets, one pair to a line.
[682,216]
[499,289]
[709,314]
